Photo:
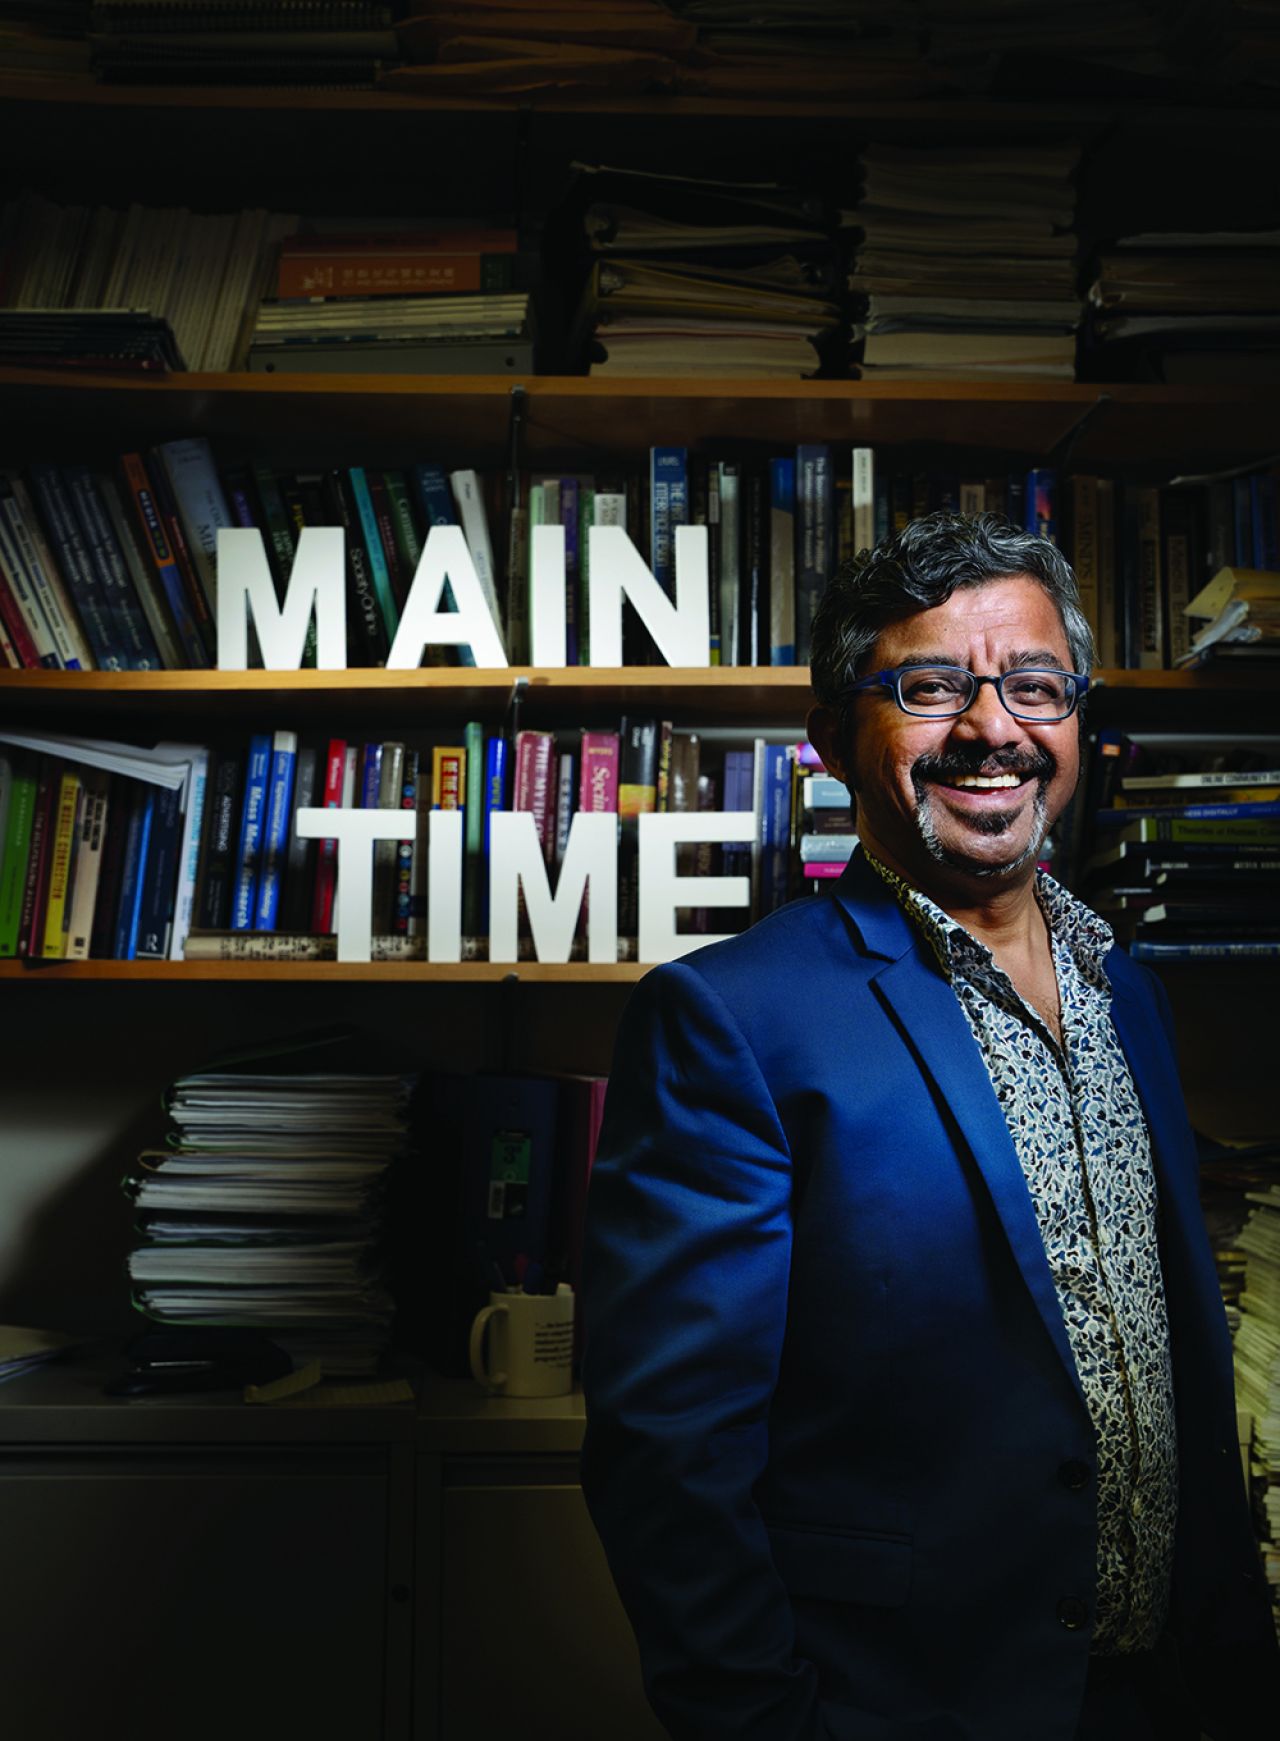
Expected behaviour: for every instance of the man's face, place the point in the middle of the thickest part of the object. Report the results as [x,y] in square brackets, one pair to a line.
[921,803]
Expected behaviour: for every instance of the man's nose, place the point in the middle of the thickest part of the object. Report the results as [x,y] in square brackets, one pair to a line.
[987,719]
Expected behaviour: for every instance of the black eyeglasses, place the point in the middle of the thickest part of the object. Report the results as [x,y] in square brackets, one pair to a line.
[946,691]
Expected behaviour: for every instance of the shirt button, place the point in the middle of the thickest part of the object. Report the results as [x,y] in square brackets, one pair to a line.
[1073,1613]
[1074,1474]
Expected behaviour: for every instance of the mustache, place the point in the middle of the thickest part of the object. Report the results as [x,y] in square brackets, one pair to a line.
[950,764]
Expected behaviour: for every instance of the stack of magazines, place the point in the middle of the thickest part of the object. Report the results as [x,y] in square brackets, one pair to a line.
[225,42]
[264,1210]
[966,264]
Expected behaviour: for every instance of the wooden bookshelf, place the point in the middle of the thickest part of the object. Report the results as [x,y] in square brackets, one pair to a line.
[323,972]
[1164,427]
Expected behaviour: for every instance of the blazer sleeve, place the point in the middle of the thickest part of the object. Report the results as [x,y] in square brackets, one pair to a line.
[685,1276]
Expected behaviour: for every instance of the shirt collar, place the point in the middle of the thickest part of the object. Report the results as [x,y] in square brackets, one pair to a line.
[1075,927]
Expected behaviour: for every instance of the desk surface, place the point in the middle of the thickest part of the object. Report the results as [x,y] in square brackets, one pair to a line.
[64,1403]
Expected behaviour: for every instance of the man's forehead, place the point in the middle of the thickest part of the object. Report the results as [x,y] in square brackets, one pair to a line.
[1013,613]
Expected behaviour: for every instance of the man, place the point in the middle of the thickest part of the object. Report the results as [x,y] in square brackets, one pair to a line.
[909,1393]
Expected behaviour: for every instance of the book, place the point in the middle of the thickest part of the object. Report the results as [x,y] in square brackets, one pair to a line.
[53,939]
[275,830]
[216,877]
[637,795]
[248,857]
[782,562]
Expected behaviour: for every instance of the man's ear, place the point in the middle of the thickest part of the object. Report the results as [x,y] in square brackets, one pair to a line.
[823,727]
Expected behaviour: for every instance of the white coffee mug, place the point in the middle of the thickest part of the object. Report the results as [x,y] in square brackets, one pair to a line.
[528,1350]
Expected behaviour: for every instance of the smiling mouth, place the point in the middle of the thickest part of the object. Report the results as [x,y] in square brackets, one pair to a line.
[986,782]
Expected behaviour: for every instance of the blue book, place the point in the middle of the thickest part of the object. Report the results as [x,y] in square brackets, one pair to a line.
[775,827]
[816,537]
[160,876]
[377,556]
[825,792]
[1260,810]
[137,842]
[435,501]
[735,856]
[1041,503]
[97,618]
[669,501]
[370,776]
[249,850]
[275,832]
[496,796]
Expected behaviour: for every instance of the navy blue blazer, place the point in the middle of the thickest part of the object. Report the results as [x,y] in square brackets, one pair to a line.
[834,1426]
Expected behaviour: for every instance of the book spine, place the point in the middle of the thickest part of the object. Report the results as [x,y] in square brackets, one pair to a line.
[17,847]
[1084,550]
[755,566]
[136,847]
[782,562]
[20,639]
[1175,515]
[814,489]
[406,846]
[88,866]
[1109,656]
[390,780]
[197,795]
[167,508]
[201,505]
[730,564]
[384,517]
[473,903]
[159,876]
[1151,648]
[216,880]
[364,620]
[275,834]
[249,848]
[53,940]
[48,571]
[669,507]
[327,852]
[113,575]
[142,577]
[36,884]
[371,537]
[475,526]
[96,616]
[1041,503]
[64,630]
[26,605]
[194,632]
[863,501]
[570,512]
[496,796]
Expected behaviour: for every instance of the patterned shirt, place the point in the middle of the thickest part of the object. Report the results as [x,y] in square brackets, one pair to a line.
[1081,1138]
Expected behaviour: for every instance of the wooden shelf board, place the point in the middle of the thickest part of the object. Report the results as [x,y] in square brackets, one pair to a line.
[949,110]
[378,972]
[714,690]
[323,417]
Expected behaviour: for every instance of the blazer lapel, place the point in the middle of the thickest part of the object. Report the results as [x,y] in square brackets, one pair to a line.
[930,1017]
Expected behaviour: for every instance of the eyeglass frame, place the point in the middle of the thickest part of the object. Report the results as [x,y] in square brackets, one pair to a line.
[891,680]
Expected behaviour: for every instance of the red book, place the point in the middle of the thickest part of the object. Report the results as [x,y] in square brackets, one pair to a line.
[534,787]
[598,772]
[327,852]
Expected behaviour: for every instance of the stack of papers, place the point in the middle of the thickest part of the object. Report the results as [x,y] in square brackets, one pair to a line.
[702,277]
[265,1209]
[966,267]
[1189,307]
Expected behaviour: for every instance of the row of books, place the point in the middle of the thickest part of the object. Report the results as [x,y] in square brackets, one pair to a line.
[264,1208]
[1182,844]
[337,43]
[109,851]
[115,567]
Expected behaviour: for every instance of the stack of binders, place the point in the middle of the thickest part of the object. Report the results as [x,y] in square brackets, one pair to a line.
[264,1210]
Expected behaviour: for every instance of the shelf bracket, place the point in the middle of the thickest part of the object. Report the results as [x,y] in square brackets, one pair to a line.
[515,701]
[1065,446]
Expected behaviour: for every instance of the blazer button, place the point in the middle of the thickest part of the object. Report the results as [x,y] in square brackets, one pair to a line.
[1073,1613]
[1074,1474]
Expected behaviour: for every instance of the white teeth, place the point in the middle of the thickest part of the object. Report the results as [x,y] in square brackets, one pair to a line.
[986,781]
